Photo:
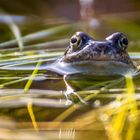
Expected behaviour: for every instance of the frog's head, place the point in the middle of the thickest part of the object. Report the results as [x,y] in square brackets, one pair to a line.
[84,48]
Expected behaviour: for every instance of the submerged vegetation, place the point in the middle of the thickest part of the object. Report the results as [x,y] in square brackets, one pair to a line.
[33,104]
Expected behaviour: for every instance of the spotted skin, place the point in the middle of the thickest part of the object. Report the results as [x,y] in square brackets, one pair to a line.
[84,48]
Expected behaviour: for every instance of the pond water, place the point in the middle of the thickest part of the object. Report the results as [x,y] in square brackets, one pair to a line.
[38,104]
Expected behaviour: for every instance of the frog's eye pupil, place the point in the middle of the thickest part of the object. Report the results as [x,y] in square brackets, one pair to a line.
[125,41]
[74,40]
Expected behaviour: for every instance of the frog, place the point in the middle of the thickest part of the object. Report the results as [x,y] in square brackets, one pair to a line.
[85,55]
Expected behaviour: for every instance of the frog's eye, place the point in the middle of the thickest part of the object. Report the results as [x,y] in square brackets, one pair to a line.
[75,41]
[123,42]
[118,39]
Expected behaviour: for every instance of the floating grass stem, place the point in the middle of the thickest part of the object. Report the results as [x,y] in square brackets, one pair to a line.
[126,109]
[37,35]
[32,116]
[13,82]
[133,108]
[16,32]
[28,84]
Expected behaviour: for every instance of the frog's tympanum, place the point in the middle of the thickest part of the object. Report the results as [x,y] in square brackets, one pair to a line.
[85,55]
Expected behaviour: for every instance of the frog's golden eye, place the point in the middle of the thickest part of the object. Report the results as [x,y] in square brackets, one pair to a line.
[123,42]
[75,41]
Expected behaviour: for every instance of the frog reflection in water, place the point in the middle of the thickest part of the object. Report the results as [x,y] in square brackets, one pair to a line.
[84,55]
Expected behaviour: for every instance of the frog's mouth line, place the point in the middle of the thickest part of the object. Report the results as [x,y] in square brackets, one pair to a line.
[103,59]
[75,58]
[94,60]
[103,62]
[96,67]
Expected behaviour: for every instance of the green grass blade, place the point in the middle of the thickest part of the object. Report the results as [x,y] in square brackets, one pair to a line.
[28,84]
[38,35]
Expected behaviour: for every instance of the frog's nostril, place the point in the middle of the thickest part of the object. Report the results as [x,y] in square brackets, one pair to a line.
[74,40]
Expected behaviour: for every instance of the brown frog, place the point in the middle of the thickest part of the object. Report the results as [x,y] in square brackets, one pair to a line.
[85,55]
